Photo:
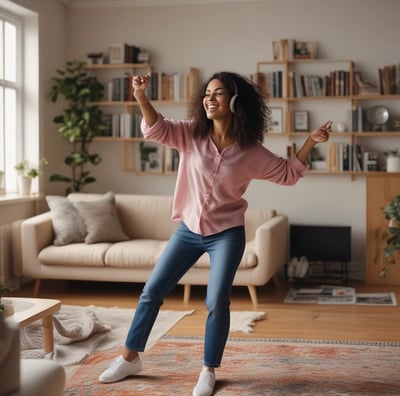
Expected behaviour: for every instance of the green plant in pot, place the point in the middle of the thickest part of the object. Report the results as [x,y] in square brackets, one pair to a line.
[392,234]
[80,121]
[26,169]
[26,172]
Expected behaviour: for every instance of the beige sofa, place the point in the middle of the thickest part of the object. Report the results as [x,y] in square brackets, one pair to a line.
[146,221]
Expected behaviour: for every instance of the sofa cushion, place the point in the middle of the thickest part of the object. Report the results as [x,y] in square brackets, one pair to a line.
[101,220]
[146,216]
[67,224]
[136,253]
[76,254]
[141,216]
[249,259]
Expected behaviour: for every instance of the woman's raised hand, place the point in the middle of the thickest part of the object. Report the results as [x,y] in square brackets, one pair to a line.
[321,134]
[140,83]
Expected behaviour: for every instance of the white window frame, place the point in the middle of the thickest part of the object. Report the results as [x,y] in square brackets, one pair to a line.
[12,145]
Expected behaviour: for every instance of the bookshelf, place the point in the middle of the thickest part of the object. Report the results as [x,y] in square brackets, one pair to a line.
[123,115]
[315,90]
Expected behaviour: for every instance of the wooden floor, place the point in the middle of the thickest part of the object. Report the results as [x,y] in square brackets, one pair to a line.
[300,321]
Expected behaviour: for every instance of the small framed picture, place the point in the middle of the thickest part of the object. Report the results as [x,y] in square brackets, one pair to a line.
[276,125]
[304,49]
[300,121]
[276,50]
[151,157]
[397,123]
[116,53]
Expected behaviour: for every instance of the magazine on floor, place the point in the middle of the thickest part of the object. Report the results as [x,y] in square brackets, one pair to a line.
[376,299]
[326,294]
[322,295]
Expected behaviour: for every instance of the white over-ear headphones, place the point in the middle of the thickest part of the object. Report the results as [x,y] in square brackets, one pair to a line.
[298,268]
[232,103]
[233,99]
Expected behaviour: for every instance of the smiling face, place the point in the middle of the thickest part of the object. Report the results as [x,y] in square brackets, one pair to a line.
[216,100]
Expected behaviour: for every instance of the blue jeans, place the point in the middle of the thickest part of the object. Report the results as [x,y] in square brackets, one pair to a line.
[182,251]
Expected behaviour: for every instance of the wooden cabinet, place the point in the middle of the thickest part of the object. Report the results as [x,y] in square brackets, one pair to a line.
[380,190]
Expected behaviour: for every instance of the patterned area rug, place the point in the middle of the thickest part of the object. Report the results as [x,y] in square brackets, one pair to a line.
[82,331]
[253,367]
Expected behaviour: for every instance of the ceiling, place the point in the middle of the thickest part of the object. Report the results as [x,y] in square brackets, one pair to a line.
[147,3]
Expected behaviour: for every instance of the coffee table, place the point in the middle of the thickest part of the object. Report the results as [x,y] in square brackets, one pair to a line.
[29,310]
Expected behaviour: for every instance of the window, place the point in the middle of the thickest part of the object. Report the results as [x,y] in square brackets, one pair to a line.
[10,97]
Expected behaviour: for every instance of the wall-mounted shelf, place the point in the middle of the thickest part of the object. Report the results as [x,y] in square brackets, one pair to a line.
[124,116]
[310,86]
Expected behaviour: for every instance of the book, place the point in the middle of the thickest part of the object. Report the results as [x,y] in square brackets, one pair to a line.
[107,119]
[332,157]
[171,159]
[128,89]
[193,82]
[131,53]
[357,154]
[370,161]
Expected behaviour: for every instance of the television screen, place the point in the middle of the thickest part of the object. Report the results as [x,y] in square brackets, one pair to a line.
[321,243]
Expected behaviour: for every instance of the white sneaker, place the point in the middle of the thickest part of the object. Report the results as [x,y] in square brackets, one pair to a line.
[205,384]
[119,369]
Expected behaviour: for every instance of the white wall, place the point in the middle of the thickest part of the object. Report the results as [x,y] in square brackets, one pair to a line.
[234,37]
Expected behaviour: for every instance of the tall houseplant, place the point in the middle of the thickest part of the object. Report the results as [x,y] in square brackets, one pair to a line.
[79,122]
[392,234]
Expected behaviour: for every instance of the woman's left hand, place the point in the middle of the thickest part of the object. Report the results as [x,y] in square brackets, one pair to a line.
[321,134]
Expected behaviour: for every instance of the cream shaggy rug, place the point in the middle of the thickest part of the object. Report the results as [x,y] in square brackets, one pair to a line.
[81,331]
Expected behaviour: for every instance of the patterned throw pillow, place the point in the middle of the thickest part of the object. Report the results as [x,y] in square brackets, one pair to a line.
[67,224]
[101,220]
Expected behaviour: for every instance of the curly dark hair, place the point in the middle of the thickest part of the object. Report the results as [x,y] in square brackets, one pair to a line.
[251,118]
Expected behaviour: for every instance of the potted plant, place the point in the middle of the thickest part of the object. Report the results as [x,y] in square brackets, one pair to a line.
[80,121]
[26,172]
[392,234]
[393,160]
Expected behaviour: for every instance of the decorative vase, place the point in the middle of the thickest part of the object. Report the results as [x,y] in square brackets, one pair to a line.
[393,164]
[24,185]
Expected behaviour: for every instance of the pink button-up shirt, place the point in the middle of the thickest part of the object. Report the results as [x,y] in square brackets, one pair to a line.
[210,185]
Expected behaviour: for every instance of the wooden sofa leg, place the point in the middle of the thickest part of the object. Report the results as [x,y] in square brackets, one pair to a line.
[253,294]
[276,281]
[36,287]
[186,293]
